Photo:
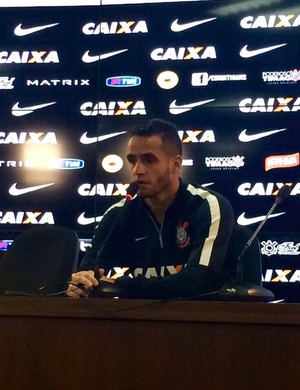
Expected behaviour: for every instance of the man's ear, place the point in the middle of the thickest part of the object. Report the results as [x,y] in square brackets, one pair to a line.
[177,163]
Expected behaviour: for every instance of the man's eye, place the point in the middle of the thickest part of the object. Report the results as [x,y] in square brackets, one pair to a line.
[149,160]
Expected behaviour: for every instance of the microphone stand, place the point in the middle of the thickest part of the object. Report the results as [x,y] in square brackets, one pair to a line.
[242,290]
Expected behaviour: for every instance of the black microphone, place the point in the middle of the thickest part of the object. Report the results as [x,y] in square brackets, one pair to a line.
[105,288]
[244,291]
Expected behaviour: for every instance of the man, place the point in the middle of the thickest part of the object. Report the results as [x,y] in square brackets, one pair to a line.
[172,236]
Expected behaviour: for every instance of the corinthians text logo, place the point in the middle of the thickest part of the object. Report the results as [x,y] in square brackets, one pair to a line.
[279,104]
[272,21]
[26,217]
[109,189]
[184,53]
[125,27]
[29,57]
[266,189]
[128,107]
[27,138]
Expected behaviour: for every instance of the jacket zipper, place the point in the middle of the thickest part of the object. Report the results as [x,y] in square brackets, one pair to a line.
[159,231]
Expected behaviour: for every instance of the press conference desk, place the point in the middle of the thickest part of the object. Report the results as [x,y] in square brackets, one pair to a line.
[60,343]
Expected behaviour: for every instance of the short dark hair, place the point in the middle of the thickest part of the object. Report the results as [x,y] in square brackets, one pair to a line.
[166,130]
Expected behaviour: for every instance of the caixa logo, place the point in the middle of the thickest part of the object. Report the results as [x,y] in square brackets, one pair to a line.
[124,27]
[66,163]
[272,21]
[281,276]
[30,137]
[109,189]
[29,57]
[274,105]
[26,217]
[183,53]
[266,189]
[123,81]
[127,107]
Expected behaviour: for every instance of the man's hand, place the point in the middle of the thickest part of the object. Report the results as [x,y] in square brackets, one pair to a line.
[84,279]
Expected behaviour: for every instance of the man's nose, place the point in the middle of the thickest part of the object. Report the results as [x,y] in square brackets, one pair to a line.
[139,168]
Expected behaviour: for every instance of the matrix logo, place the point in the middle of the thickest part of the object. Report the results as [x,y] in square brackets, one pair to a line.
[123,81]
[279,104]
[266,189]
[61,163]
[271,248]
[110,189]
[29,57]
[196,136]
[233,162]
[282,161]
[281,276]
[7,82]
[58,83]
[125,27]
[281,77]
[41,138]
[128,107]
[26,217]
[272,21]
[184,53]
[202,79]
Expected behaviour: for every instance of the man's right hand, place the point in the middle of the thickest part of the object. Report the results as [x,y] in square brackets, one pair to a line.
[86,279]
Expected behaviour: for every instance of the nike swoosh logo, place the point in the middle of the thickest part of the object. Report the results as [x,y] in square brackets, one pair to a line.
[87,58]
[244,221]
[14,191]
[21,111]
[246,53]
[21,32]
[178,27]
[243,137]
[176,109]
[83,220]
[140,238]
[91,140]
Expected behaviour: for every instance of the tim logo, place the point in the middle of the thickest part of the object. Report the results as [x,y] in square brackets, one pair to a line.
[123,81]
[66,163]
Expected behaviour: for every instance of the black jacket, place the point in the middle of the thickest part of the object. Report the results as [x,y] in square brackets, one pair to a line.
[182,257]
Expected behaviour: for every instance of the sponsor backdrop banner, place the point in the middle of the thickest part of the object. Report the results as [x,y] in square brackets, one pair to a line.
[75,80]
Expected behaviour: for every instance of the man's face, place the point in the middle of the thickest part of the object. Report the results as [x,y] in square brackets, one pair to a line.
[151,165]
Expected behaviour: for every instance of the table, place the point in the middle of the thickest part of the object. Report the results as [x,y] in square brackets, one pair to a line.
[70,343]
